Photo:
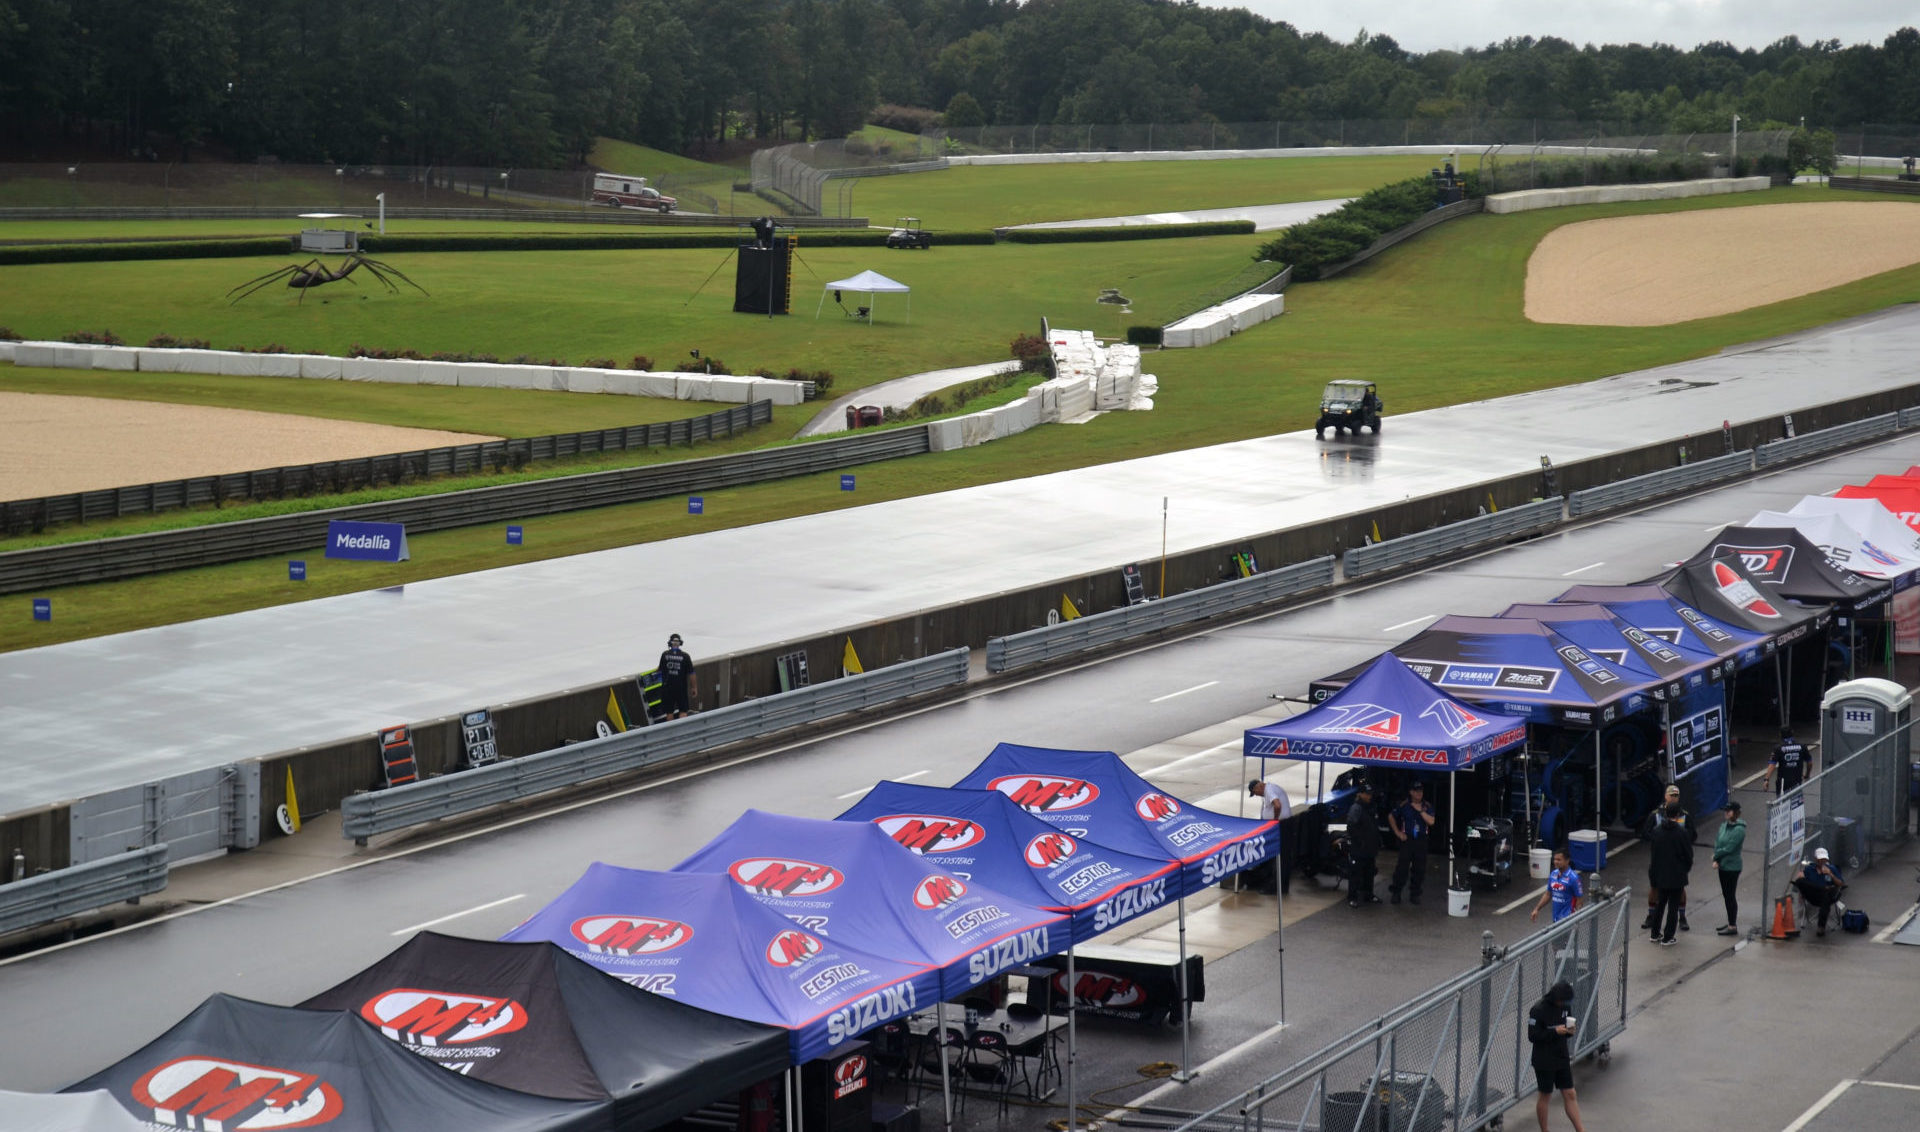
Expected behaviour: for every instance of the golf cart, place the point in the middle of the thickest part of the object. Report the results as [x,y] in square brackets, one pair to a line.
[907,233]
[1347,405]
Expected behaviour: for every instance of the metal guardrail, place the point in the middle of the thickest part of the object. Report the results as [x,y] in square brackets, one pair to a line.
[135,555]
[1826,439]
[1653,485]
[1464,535]
[368,815]
[1035,646]
[1909,417]
[1875,185]
[82,888]
[351,475]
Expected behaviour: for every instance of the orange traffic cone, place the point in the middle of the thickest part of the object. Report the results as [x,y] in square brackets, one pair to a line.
[1785,924]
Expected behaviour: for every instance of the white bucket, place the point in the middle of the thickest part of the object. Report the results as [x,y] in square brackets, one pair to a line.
[1458,899]
[1539,863]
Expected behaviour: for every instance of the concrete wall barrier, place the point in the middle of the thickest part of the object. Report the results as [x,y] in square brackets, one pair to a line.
[280,365]
[35,353]
[116,358]
[7,346]
[1530,199]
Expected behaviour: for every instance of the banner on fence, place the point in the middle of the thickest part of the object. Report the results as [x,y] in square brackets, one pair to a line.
[367,542]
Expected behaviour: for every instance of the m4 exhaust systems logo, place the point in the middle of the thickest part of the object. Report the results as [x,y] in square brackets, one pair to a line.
[936,892]
[630,935]
[780,876]
[435,1018]
[931,833]
[1049,849]
[214,1094]
[1156,807]
[1046,793]
[793,947]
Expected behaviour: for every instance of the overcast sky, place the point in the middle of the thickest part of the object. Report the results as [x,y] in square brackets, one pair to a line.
[1425,26]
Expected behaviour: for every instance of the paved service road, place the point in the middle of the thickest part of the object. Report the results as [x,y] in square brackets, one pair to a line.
[92,715]
[1265,217]
[64,1013]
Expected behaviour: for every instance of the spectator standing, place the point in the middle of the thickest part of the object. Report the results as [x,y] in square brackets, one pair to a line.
[1654,821]
[1563,889]
[1411,822]
[1363,848]
[1672,861]
[1549,1024]
[1726,862]
[678,684]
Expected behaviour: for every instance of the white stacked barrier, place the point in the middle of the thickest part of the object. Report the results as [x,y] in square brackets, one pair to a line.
[1204,328]
[121,358]
[1529,199]
[1090,378]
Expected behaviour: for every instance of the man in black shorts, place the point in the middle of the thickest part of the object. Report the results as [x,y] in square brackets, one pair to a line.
[1549,1024]
[677,686]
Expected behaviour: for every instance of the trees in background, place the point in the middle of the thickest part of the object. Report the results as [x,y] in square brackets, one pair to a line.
[532,82]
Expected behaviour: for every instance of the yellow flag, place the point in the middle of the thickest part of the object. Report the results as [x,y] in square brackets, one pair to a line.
[613,712]
[1068,610]
[293,802]
[850,661]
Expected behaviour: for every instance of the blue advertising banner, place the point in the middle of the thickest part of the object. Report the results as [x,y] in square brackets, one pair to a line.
[516,536]
[696,505]
[296,571]
[367,542]
[846,483]
[43,609]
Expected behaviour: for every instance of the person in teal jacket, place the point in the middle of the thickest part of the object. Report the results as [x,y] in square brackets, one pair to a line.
[1726,862]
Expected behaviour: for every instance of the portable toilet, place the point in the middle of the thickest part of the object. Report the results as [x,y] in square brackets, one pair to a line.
[1866,759]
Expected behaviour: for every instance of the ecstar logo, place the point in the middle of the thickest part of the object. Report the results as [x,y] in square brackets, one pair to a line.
[218,1095]
[781,876]
[937,892]
[792,947]
[1455,720]
[1049,849]
[1740,592]
[1370,721]
[931,833]
[434,1018]
[630,935]
[1045,793]
[1156,807]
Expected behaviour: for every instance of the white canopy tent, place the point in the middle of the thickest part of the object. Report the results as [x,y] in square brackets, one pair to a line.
[868,283]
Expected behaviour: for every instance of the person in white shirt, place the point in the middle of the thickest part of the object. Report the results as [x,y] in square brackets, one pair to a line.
[1276,806]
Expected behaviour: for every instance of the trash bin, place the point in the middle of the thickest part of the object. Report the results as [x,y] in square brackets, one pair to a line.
[1340,1112]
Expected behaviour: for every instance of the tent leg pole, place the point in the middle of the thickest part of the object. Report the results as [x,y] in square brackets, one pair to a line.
[786,1087]
[1073,998]
[1597,788]
[1186,1014]
[798,1100]
[1280,940]
[1780,687]
[1453,792]
[946,1083]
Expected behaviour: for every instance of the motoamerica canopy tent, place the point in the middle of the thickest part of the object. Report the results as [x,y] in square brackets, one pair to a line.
[1670,670]
[1389,716]
[1783,561]
[531,1017]
[1659,613]
[869,283]
[748,962]
[983,836]
[1846,547]
[236,1064]
[850,881]
[1722,589]
[65,1112]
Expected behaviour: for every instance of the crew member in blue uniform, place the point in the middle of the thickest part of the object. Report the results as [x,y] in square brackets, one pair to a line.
[1563,889]
[1411,822]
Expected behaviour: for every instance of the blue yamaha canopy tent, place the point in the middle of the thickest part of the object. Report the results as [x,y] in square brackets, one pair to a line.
[1670,669]
[750,962]
[984,836]
[856,883]
[1653,610]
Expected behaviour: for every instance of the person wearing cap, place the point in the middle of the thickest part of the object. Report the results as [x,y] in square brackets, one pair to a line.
[1651,834]
[1363,847]
[678,684]
[1787,766]
[1549,1024]
[1726,862]
[1820,884]
[1672,861]
[1411,822]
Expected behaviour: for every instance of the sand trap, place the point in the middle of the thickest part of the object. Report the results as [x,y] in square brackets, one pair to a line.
[1675,266]
[50,445]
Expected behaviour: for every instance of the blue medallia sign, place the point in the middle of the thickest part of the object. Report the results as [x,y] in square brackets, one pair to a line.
[367,542]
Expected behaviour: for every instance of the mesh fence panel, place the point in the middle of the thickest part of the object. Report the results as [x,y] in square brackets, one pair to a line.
[1855,809]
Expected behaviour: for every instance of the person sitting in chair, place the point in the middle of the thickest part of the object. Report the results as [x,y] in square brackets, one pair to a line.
[1820,885]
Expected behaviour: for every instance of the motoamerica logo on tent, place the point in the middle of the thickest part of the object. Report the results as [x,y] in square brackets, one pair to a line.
[781,876]
[1767,563]
[1044,793]
[1455,720]
[1370,721]
[931,833]
[1740,592]
[630,935]
[1156,807]
[432,1018]
[216,1093]
[937,891]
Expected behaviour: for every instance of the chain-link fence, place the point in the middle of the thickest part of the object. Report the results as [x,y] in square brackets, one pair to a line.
[796,176]
[1855,809]
[1458,1056]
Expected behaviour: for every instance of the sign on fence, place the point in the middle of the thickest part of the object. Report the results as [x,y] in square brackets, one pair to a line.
[367,542]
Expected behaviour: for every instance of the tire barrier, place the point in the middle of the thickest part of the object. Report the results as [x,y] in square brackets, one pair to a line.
[1468,534]
[1036,646]
[452,795]
[67,892]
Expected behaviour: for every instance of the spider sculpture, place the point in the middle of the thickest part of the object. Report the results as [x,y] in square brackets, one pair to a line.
[314,273]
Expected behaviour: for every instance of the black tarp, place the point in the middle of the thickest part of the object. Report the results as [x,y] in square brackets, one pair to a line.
[1781,560]
[1722,589]
[235,1064]
[531,1017]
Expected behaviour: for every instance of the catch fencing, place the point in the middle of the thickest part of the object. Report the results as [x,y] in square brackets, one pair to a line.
[798,174]
[1037,646]
[1457,1057]
[451,795]
[70,891]
[341,476]
[1468,534]
[1855,809]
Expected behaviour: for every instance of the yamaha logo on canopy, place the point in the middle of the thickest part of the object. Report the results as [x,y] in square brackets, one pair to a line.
[434,1018]
[931,833]
[781,876]
[215,1093]
[1046,793]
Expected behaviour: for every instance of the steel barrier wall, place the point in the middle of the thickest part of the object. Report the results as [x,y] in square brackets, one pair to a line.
[67,892]
[134,555]
[197,813]
[1094,630]
[368,471]
[370,814]
[1855,809]
[1839,436]
[1457,1057]
[1654,485]
[1875,185]
[1464,535]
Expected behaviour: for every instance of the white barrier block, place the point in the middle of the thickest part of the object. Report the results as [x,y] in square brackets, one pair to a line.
[693,387]
[617,382]
[6,349]
[733,390]
[363,369]
[665,385]
[116,357]
[153,361]
[525,377]
[586,381]
[34,353]
[239,365]
[200,361]
[323,367]
[975,428]
[945,435]
[557,381]
[471,375]
[279,365]
[71,355]
[778,391]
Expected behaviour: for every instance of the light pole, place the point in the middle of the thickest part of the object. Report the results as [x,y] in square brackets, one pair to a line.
[1735,160]
[73,187]
[340,183]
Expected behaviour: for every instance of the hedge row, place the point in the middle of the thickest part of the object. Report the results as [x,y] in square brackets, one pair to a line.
[1126,232]
[171,249]
[1348,230]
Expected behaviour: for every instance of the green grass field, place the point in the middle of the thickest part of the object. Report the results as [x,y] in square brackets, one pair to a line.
[1436,321]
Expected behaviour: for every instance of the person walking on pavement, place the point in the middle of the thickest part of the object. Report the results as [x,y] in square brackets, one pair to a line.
[1411,822]
[1275,806]
[1563,889]
[678,684]
[1654,821]
[1363,848]
[1549,1024]
[1788,765]
[1672,861]
[1726,862]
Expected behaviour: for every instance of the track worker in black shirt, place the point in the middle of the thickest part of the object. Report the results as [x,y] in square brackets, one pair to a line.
[1363,848]
[1412,823]
[1549,1024]
[1788,765]
[678,684]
